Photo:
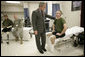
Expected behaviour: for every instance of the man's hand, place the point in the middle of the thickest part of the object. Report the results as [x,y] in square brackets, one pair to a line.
[53,31]
[59,34]
[9,26]
[36,32]
[4,26]
[16,25]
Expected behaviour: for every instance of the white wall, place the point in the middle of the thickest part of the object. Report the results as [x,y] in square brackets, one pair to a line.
[13,9]
[32,6]
[72,17]
[50,10]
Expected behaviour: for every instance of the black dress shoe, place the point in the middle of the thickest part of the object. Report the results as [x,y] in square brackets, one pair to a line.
[41,52]
[7,42]
[44,49]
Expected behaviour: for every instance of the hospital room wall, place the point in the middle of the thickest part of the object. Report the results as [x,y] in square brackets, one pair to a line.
[50,10]
[32,6]
[10,10]
[72,17]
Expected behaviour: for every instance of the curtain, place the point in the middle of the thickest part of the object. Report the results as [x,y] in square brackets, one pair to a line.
[26,16]
[26,13]
[55,7]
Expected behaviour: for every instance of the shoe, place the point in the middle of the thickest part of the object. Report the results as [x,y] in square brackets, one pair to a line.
[44,49]
[21,42]
[41,52]
[7,42]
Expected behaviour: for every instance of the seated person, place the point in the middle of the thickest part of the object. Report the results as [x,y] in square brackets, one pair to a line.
[59,27]
[18,29]
[6,25]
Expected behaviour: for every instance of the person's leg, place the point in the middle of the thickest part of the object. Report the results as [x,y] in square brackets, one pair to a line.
[21,35]
[2,32]
[15,34]
[38,43]
[1,39]
[8,31]
[7,37]
[49,34]
[43,40]
[52,39]
[21,41]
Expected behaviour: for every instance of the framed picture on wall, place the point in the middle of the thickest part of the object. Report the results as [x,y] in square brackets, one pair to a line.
[76,5]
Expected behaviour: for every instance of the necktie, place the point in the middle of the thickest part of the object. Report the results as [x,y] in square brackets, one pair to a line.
[42,13]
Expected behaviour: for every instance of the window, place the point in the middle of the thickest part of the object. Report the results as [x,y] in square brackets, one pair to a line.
[55,7]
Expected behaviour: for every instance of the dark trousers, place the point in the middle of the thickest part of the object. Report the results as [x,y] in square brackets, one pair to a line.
[6,30]
[40,41]
[57,36]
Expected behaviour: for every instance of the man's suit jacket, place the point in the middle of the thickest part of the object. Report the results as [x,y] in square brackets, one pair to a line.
[38,21]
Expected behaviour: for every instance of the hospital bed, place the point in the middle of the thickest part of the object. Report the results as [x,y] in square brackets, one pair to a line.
[69,32]
[67,38]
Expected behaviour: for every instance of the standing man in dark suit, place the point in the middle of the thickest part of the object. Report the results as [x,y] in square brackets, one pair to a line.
[38,21]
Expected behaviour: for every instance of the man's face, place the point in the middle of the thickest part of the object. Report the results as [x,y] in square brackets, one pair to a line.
[58,14]
[43,7]
[15,17]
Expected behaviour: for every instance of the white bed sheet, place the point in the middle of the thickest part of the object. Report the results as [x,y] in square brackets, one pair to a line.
[74,30]
[69,32]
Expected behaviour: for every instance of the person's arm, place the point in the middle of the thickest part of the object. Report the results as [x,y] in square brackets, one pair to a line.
[11,24]
[3,25]
[53,28]
[20,23]
[34,22]
[64,29]
[51,17]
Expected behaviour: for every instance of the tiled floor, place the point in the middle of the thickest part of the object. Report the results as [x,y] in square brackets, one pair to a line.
[28,48]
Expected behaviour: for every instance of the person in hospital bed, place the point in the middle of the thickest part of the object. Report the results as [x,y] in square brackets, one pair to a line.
[59,28]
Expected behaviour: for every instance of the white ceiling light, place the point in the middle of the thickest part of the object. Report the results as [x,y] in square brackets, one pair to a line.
[12,2]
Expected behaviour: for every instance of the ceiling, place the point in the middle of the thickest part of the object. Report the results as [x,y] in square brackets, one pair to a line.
[21,2]
[4,3]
